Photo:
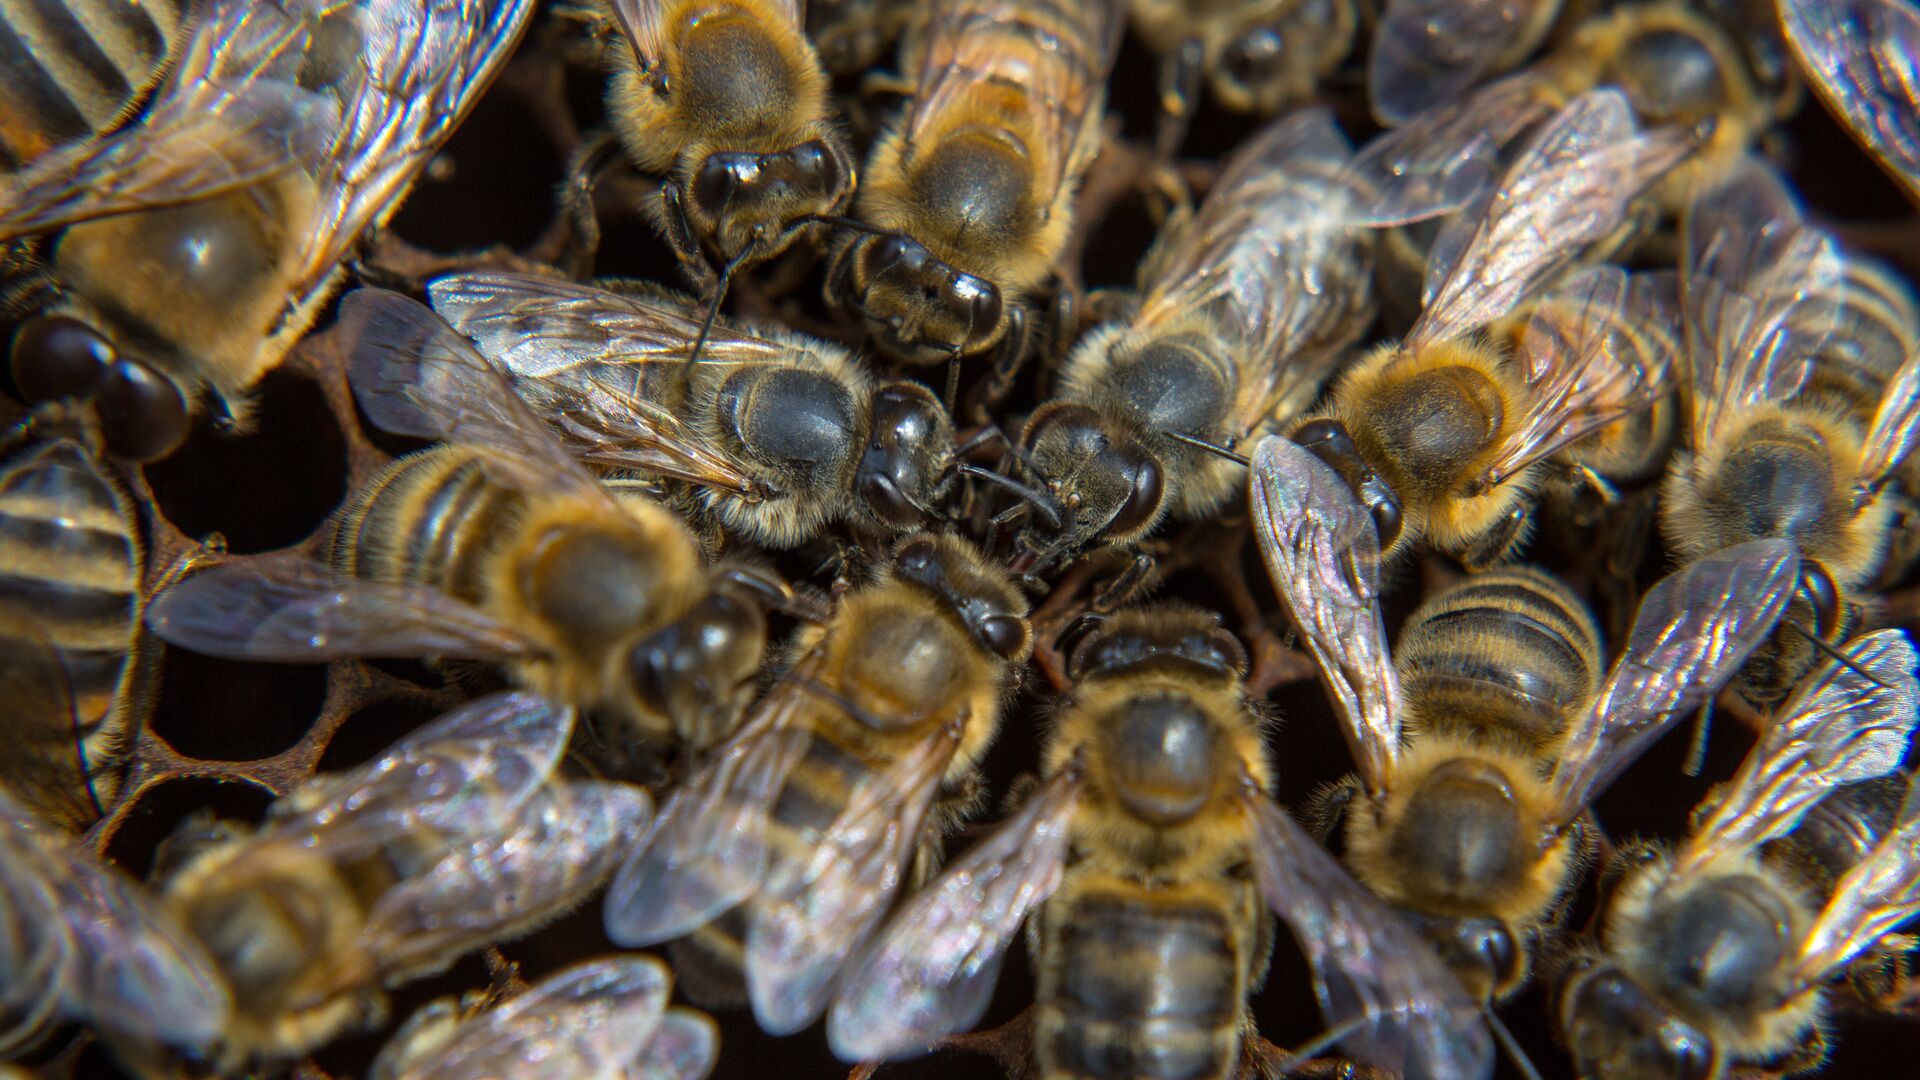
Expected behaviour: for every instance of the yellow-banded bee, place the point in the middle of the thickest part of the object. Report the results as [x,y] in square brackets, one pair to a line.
[1714,953]
[498,546]
[1481,747]
[970,195]
[85,942]
[77,665]
[196,246]
[782,435]
[1256,56]
[75,69]
[726,100]
[1441,435]
[1768,303]
[1859,56]
[458,836]
[814,814]
[605,1019]
[1145,863]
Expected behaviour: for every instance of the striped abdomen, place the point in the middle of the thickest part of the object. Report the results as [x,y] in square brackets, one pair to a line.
[72,68]
[71,562]
[430,518]
[1508,653]
[1133,987]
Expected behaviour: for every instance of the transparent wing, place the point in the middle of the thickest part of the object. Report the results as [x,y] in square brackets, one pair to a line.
[1588,362]
[1373,974]
[468,773]
[293,608]
[1694,630]
[931,971]
[561,844]
[1569,187]
[1323,555]
[1862,57]
[1878,894]
[684,1047]
[413,375]
[1427,51]
[1896,426]
[48,766]
[707,851]
[1841,726]
[37,955]
[816,910]
[1443,159]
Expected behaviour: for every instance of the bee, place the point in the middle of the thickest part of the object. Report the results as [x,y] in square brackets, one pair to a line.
[605,1019]
[85,942]
[77,69]
[853,35]
[498,546]
[1770,449]
[781,434]
[1482,745]
[1855,53]
[1440,434]
[1714,953]
[1256,56]
[197,245]
[812,814]
[1433,51]
[970,196]
[78,665]
[457,837]
[1144,864]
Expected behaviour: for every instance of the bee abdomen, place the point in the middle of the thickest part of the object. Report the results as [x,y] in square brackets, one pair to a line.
[429,519]
[73,66]
[1510,650]
[1140,990]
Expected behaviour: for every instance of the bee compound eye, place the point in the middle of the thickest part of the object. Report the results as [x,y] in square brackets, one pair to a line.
[143,416]
[55,356]
[1143,500]
[1005,635]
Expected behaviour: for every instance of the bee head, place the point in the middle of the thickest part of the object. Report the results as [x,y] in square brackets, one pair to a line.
[917,307]
[905,471]
[1106,484]
[740,201]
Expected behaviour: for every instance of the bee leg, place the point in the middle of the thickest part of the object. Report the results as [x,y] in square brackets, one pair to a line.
[1499,543]
[1325,811]
[1126,586]
[838,286]
[1010,1044]
[1008,358]
[590,161]
[678,230]
[1179,92]
[1805,1058]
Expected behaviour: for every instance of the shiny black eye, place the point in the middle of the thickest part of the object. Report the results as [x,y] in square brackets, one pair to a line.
[1005,635]
[1254,57]
[893,252]
[720,177]
[142,415]
[1386,520]
[1143,501]
[58,357]
[887,502]
[1824,595]
[1224,652]
[916,558]
[982,300]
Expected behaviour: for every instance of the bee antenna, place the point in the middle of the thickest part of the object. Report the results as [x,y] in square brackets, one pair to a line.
[1833,654]
[713,308]
[1293,1059]
[1042,503]
[1202,444]
[1509,1044]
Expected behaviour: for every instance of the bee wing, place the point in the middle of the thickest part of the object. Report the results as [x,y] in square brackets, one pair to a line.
[1407,1013]
[1876,894]
[585,359]
[292,608]
[561,843]
[418,70]
[1569,187]
[817,909]
[1841,726]
[1694,630]
[1896,426]
[1588,362]
[468,773]
[1860,56]
[930,972]
[1443,159]
[707,851]
[1323,555]
[47,767]
[1426,51]
[684,1047]
[38,958]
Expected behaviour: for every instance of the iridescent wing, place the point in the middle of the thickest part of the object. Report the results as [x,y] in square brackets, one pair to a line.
[469,773]
[1406,1013]
[1694,630]
[1863,56]
[815,911]
[1896,427]
[295,609]
[1443,159]
[1588,363]
[930,972]
[1872,898]
[37,955]
[1323,556]
[684,1047]
[1568,187]
[1841,726]
[1427,51]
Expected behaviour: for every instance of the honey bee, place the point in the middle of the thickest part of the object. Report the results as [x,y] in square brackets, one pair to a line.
[77,68]
[783,435]
[84,942]
[1857,54]
[605,1019]
[498,546]
[1144,864]
[852,35]
[813,813]
[76,663]
[458,836]
[1714,953]
[1256,55]
[198,244]
[1441,435]
[970,196]
[1472,777]
[1770,450]
[1432,51]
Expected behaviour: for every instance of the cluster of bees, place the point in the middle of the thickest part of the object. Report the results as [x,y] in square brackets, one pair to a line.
[730,582]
